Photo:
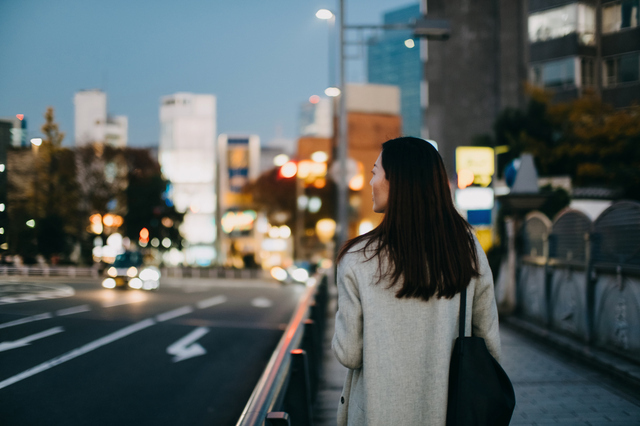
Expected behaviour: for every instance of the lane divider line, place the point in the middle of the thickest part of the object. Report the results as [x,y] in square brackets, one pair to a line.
[207,303]
[174,314]
[73,310]
[27,320]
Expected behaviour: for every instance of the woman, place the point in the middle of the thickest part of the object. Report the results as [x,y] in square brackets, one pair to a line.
[399,294]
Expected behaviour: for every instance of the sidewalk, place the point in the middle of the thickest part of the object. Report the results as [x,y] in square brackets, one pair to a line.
[550,389]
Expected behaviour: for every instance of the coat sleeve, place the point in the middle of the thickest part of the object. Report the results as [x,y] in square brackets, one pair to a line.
[347,340]
[485,310]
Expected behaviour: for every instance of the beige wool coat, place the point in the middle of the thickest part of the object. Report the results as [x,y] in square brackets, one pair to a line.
[397,351]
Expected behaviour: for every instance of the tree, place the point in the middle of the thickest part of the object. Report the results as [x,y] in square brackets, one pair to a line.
[147,202]
[54,202]
[586,139]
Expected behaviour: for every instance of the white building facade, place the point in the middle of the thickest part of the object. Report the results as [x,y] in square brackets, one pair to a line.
[187,155]
[93,123]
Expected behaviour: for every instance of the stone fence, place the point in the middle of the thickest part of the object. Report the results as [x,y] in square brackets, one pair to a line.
[582,278]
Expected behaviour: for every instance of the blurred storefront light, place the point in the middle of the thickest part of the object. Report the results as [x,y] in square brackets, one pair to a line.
[285,231]
[325,230]
[289,170]
[280,160]
[315,203]
[365,226]
[319,157]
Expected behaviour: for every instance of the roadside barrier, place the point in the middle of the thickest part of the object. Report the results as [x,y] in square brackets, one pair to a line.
[287,388]
[49,271]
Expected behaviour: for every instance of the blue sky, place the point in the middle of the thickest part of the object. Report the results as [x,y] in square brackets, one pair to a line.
[261,58]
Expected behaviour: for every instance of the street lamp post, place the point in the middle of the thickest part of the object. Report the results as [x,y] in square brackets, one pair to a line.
[430,29]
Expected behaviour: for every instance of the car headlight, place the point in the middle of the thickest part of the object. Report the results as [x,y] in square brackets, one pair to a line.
[278,273]
[150,274]
[112,272]
[132,272]
[109,283]
[300,275]
[135,283]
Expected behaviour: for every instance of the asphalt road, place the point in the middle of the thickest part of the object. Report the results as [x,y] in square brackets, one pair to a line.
[190,353]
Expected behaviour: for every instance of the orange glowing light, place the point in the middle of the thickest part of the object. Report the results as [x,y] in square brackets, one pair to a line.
[289,170]
[20,116]
[144,234]
[357,182]
[108,219]
[314,99]
[465,178]
[320,183]
[96,219]
[297,352]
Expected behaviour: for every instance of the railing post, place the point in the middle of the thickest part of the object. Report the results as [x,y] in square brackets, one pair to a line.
[297,401]
[311,346]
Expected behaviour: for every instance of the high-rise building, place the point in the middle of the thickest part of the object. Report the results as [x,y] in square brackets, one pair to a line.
[576,46]
[474,74]
[394,58]
[316,118]
[187,155]
[239,162]
[92,122]
[497,46]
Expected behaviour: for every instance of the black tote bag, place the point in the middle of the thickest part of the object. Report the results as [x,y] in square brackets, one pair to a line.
[480,392]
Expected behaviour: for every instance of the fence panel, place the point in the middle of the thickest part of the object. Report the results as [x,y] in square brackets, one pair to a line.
[616,270]
[568,257]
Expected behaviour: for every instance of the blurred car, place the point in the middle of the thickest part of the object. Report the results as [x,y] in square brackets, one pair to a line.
[129,271]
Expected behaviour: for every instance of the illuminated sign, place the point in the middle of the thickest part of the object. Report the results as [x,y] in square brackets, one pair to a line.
[238,222]
[238,163]
[476,161]
[474,198]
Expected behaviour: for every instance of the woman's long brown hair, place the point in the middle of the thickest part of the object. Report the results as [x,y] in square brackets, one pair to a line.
[430,248]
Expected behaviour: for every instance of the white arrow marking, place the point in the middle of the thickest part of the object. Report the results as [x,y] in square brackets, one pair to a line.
[185,348]
[261,302]
[5,346]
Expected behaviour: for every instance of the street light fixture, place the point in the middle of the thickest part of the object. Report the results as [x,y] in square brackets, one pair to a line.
[324,14]
[430,29]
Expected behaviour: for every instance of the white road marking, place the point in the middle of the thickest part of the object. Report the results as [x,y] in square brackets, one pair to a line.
[133,328]
[185,348]
[207,303]
[174,314]
[40,292]
[26,320]
[138,299]
[261,302]
[5,346]
[73,310]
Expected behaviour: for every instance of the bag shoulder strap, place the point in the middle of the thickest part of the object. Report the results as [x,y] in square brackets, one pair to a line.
[463,313]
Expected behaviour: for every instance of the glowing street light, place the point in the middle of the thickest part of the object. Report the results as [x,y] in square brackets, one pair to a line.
[332,92]
[36,141]
[324,14]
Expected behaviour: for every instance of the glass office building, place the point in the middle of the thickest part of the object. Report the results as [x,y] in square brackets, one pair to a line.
[394,58]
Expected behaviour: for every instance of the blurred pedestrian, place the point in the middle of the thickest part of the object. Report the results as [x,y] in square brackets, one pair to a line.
[399,294]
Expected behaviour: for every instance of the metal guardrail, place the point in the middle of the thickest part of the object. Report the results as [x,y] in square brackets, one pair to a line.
[287,387]
[49,271]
